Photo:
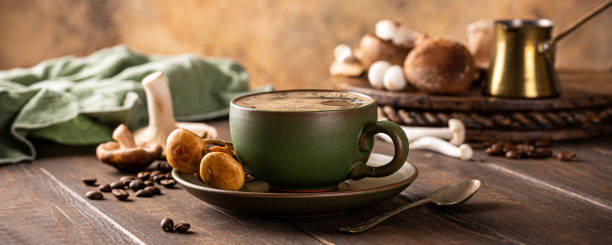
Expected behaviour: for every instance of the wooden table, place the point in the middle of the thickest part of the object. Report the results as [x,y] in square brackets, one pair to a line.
[521,202]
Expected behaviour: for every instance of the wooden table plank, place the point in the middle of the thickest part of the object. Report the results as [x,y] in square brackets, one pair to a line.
[142,216]
[520,202]
[36,209]
[506,210]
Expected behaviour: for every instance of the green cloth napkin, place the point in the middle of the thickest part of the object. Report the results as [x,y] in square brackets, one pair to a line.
[77,101]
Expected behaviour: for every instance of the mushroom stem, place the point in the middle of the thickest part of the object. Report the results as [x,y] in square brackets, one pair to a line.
[124,137]
[455,132]
[161,115]
[463,152]
[159,101]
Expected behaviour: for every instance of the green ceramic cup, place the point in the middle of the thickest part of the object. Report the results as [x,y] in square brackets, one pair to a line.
[312,151]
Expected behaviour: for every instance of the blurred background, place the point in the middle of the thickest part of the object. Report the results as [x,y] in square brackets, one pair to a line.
[287,43]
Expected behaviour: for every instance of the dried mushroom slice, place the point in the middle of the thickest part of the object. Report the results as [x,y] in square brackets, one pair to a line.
[222,171]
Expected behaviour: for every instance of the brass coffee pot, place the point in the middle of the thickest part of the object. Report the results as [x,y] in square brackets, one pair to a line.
[522,64]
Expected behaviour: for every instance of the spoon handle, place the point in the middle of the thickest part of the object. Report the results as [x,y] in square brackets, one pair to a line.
[363,226]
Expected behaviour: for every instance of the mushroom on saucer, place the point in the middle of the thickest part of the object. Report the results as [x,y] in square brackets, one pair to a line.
[125,154]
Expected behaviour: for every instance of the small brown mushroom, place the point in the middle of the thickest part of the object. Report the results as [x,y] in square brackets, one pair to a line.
[125,154]
[440,66]
[185,150]
[221,170]
[373,48]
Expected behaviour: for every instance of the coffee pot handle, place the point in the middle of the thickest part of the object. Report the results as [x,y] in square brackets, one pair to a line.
[400,142]
[548,45]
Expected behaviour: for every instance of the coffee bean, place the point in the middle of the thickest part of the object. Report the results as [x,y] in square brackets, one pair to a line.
[565,155]
[494,149]
[153,189]
[508,147]
[144,193]
[105,188]
[158,178]
[155,173]
[136,185]
[513,154]
[182,227]
[149,183]
[164,167]
[169,176]
[121,195]
[94,195]
[117,185]
[168,183]
[126,180]
[524,149]
[167,225]
[540,153]
[144,175]
[90,181]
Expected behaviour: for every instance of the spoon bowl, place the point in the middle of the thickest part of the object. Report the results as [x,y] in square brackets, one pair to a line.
[455,194]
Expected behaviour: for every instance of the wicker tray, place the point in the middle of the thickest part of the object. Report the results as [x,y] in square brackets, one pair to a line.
[583,110]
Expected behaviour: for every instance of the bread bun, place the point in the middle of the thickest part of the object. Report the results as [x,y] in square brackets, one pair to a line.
[440,66]
[372,49]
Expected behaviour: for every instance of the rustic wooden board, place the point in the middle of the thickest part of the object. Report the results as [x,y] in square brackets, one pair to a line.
[521,201]
[579,90]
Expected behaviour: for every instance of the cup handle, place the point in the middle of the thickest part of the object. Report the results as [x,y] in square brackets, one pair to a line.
[366,140]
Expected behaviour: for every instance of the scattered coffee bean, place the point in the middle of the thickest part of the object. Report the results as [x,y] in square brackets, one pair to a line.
[494,149]
[182,227]
[144,193]
[117,185]
[513,154]
[144,175]
[167,225]
[121,195]
[158,178]
[126,180]
[153,189]
[524,149]
[540,153]
[149,183]
[90,181]
[94,195]
[164,167]
[155,173]
[105,188]
[565,155]
[169,176]
[507,146]
[168,183]
[136,185]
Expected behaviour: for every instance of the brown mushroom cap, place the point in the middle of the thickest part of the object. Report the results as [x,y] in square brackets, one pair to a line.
[128,159]
[373,49]
[221,170]
[185,150]
[440,66]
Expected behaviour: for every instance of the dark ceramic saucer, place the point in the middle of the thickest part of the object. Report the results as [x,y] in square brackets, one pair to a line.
[256,198]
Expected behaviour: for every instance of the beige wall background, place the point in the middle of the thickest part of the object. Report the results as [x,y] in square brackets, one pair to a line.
[287,43]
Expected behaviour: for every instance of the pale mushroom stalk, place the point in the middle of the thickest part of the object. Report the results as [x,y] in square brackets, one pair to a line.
[161,114]
[124,137]
[455,132]
[463,152]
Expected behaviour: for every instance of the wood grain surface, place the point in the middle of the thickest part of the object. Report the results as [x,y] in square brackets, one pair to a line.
[521,202]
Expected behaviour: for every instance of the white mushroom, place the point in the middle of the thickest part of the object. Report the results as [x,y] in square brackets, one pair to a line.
[343,52]
[463,152]
[393,79]
[385,29]
[455,132]
[404,36]
[377,72]
[161,115]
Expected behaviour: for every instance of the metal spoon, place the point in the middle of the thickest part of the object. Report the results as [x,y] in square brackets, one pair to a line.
[451,195]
